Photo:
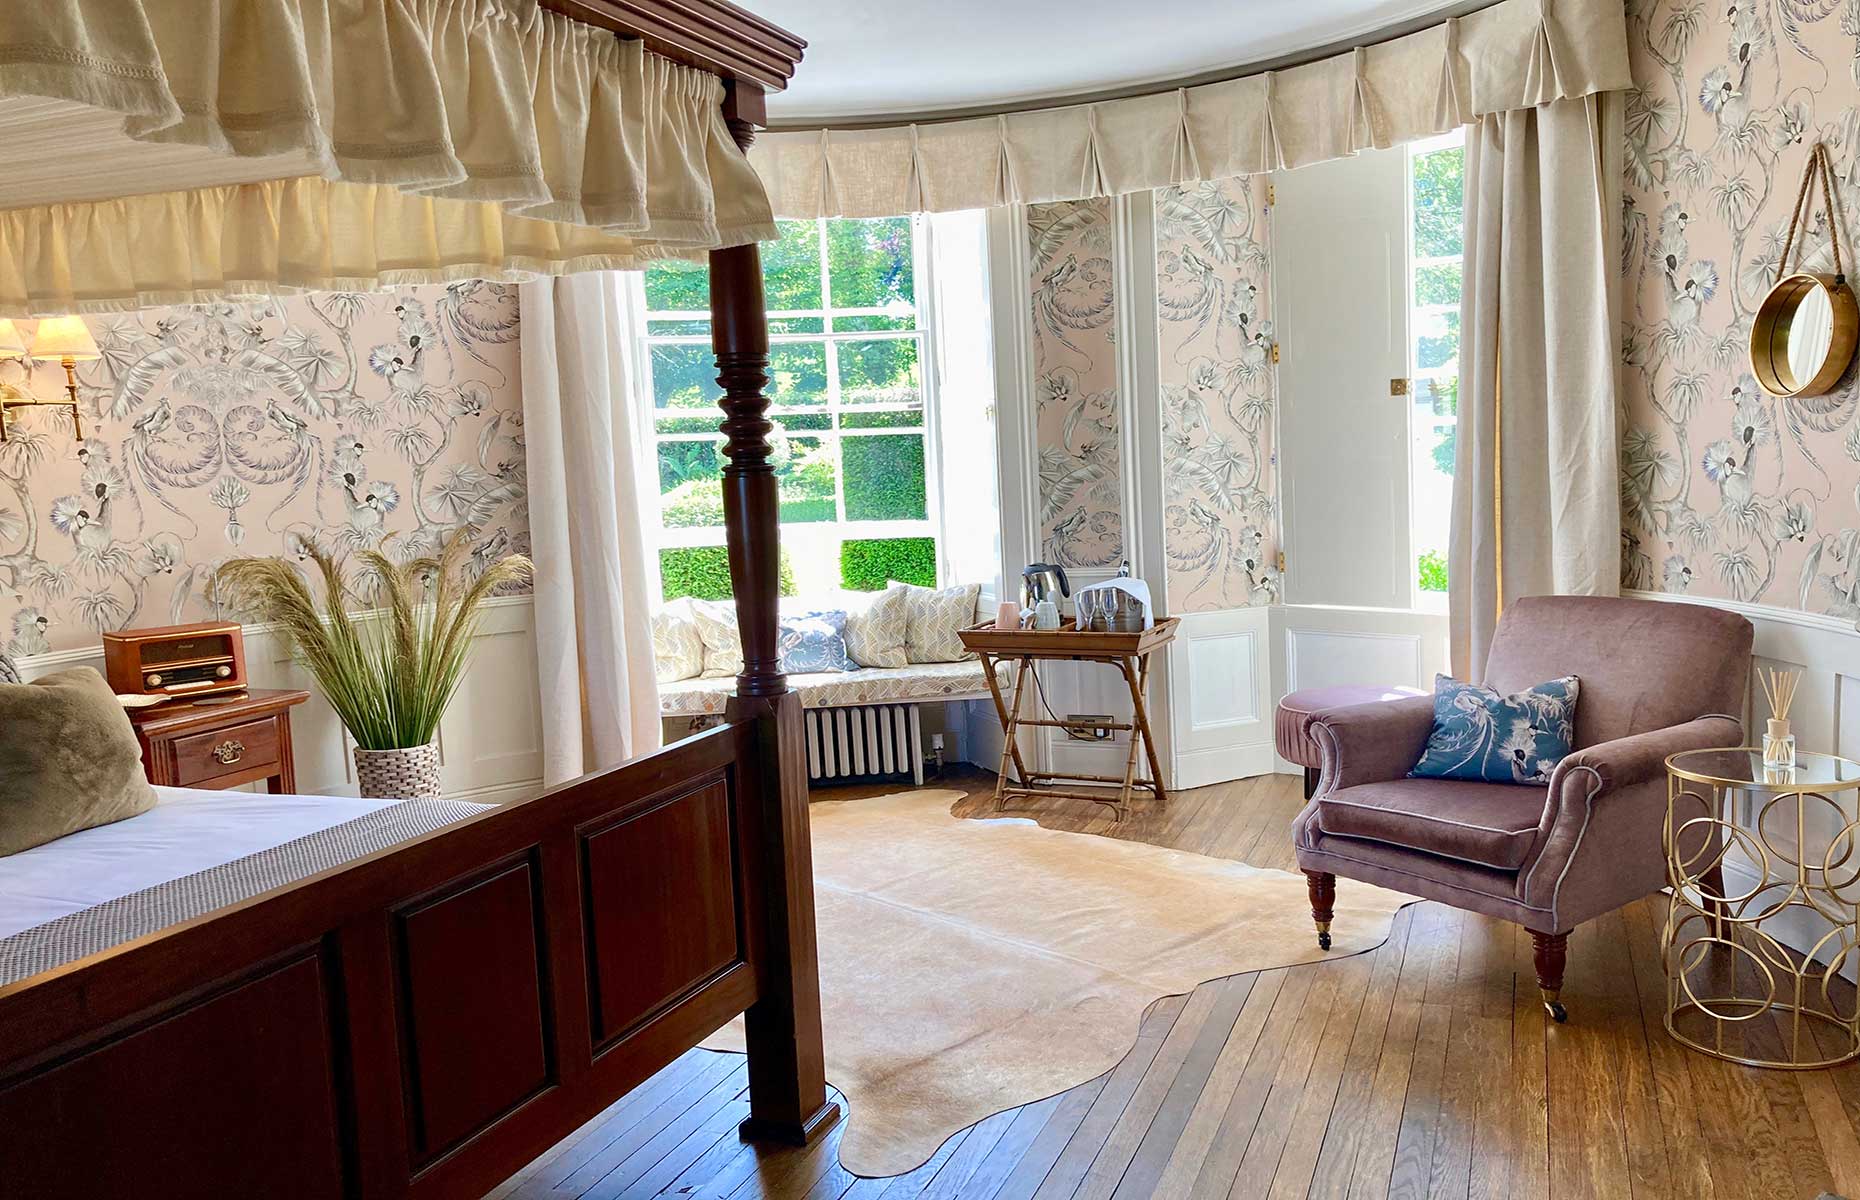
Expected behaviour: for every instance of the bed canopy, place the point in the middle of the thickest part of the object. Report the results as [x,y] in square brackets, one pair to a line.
[1514,54]
[168,151]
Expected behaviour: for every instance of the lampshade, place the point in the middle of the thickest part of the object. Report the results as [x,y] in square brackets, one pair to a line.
[12,342]
[63,337]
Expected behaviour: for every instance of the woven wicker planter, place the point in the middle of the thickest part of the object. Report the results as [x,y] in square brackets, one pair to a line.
[410,774]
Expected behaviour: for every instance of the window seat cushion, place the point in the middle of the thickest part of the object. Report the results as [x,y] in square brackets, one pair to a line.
[838,689]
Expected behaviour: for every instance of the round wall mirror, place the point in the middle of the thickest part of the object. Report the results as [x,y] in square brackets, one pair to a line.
[1803,337]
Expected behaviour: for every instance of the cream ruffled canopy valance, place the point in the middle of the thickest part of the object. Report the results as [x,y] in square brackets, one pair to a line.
[1516,54]
[163,151]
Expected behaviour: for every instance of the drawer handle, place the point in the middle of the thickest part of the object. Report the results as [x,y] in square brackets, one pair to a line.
[229,751]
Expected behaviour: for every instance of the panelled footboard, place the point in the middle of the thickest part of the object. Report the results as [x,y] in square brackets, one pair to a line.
[421,1022]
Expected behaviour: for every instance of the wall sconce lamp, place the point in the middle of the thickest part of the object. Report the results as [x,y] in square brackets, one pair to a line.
[64,340]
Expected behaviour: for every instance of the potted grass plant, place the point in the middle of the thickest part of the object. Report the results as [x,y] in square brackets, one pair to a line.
[388,648]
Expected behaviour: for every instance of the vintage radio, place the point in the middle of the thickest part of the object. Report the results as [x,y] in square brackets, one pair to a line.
[175,660]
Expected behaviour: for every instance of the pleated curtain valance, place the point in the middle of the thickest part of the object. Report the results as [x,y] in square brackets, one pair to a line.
[1515,54]
[274,145]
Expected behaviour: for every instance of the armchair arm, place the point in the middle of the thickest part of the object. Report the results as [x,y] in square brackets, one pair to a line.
[1627,761]
[1369,743]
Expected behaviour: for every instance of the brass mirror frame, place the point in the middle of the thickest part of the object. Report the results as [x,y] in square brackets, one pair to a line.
[1769,335]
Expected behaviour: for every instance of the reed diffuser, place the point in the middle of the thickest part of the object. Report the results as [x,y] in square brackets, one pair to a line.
[1778,742]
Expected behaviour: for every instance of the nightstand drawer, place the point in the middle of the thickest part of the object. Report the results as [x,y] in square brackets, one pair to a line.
[235,749]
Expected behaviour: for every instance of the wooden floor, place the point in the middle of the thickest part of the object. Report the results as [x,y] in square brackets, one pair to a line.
[1423,1068]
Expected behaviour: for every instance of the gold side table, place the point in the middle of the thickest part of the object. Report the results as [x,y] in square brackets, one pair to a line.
[1733,990]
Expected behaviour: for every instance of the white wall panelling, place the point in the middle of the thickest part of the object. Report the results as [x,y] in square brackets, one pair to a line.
[1825,717]
[490,740]
[1221,695]
[1315,646]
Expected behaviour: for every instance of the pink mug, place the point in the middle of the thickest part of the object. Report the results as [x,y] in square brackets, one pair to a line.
[1007,616]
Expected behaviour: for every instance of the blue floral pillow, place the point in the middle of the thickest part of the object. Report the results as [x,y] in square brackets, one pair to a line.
[812,642]
[1479,734]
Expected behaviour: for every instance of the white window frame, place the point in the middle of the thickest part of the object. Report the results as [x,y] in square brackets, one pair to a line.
[1420,376]
[923,333]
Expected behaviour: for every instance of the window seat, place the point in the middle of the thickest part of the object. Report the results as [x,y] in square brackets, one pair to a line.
[919,682]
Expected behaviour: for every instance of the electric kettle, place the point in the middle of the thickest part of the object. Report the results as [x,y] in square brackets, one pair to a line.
[1043,581]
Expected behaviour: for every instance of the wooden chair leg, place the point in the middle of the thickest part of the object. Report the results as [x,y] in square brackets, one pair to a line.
[1312,775]
[1548,952]
[1321,886]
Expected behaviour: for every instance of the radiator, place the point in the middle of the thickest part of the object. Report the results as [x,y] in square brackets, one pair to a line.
[868,742]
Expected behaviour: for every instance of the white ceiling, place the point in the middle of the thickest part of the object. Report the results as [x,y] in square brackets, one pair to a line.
[875,57]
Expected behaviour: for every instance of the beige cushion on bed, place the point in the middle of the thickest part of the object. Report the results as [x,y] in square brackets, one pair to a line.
[68,759]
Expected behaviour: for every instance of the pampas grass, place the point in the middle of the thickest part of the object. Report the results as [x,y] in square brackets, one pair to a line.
[389,675]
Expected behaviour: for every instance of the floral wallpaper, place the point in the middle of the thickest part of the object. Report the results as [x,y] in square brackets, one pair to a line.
[1727,491]
[1217,388]
[239,429]
[1075,383]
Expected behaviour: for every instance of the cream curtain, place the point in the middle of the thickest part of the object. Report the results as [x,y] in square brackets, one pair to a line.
[600,698]
[1515,54]
[274,145]
[1536,486]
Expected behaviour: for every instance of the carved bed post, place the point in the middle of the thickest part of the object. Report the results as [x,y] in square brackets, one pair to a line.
[787,1072]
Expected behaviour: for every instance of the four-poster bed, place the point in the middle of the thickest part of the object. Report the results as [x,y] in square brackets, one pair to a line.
[425,1020]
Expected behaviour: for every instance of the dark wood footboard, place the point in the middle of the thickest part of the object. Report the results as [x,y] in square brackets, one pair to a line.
[424,1021]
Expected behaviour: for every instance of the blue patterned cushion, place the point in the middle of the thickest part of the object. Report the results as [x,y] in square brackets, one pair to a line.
[813,642]
[1479,734]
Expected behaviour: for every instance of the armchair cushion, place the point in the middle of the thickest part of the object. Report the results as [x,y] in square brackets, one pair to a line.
[1481,735]
[1489,824]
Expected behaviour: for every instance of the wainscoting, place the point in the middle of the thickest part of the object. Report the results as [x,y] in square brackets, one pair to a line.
[1316,646]
[490,742]
[1825,718]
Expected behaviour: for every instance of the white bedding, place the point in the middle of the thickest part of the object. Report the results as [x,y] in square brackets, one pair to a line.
[186,831]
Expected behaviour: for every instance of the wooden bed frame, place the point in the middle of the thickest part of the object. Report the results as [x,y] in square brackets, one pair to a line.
[425,1021]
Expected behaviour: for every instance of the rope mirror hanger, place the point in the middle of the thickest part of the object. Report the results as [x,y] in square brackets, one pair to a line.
[1803,337]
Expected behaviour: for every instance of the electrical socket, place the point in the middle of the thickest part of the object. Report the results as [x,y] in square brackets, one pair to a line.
[1091,727]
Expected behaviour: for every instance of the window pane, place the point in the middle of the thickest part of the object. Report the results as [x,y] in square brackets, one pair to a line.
[879,372]
[791,267]
[684,377]
[804,468]
[798,422]
[1438,202]
[798,373]
[910,418]
[678,286]
[678,329]
[708,422]
[1436,339]
[872,324]
[796,325]
[690,484]
[869,263]
[884,477]
[868,564]
[1437,284]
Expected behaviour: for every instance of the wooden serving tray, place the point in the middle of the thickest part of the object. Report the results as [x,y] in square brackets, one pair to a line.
[1067,641]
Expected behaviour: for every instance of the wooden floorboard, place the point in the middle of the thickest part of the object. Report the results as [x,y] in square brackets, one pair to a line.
[1422,1068]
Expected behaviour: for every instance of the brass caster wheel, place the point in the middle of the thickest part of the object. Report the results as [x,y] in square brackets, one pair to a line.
[1324,940]
[1554,1007]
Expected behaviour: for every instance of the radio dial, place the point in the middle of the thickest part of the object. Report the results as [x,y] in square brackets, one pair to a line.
[153,681]
[223,672]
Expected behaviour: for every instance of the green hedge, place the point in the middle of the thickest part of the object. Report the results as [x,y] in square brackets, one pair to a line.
[868,564]
[704,572]
[1432,571]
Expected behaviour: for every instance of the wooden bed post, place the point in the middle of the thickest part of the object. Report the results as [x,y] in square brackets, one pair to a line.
[787,1071]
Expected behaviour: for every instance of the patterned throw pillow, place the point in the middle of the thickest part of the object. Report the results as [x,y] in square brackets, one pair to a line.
[875,632]
[933,621]
[677,646]
[814,642]
[1479,734]
[723,642]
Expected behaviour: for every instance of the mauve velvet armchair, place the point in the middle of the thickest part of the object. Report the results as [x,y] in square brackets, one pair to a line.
[1656,678]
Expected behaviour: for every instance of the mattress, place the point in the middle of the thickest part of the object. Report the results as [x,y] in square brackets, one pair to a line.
[195,851]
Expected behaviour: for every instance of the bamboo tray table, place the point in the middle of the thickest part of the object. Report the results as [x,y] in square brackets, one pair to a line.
[1128,652]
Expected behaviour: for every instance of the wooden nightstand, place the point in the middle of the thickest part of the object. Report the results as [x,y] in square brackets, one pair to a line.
[219,742]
